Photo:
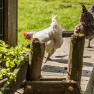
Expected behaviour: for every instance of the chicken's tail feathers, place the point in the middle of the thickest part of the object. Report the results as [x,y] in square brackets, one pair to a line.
[91,10]
[84,9]
[53,18]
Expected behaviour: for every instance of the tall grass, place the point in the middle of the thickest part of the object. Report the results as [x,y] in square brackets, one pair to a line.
[34,15]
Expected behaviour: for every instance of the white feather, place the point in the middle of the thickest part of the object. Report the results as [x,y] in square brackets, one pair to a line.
[52,36]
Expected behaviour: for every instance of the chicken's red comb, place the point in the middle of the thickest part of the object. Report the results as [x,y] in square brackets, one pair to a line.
[27,35]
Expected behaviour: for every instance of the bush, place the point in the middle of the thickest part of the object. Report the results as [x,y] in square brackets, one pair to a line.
[10,58]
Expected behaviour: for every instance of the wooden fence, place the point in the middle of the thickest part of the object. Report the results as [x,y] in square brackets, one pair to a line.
[32,71]
[56,86]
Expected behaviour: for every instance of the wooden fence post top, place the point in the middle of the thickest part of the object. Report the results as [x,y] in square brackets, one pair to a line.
[35,40]
[78,36]
[38,50]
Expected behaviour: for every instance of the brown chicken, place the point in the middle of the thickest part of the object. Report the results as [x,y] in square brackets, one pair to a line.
[86,25]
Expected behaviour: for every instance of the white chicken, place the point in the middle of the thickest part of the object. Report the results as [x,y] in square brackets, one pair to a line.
[51,36]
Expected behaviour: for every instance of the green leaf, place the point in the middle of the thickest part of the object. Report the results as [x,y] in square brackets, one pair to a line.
[10,58]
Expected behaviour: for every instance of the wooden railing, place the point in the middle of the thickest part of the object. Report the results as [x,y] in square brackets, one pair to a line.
[54,86]
[31,71]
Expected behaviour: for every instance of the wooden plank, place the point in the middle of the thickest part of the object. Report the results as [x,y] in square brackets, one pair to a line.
[52,79]
[67,33]
[52,87]
[38,49]
[76,58]
[10,21]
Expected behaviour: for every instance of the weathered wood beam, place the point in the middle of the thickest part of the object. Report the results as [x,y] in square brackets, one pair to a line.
[76,57]
[37,55]
[52,79]
[52,87]
[10,21]
[67,33]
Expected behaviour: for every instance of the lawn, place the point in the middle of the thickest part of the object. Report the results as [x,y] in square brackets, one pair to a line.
[35,15]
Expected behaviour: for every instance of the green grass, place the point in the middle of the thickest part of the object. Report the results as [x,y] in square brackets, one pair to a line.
[34,15]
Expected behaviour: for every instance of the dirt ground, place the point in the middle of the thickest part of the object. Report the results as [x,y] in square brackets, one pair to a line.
[57,67]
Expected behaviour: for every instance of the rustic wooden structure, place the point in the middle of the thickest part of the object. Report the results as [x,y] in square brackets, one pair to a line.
[37,55]
[67,33]
[38,50]
[52,87]
[38,85]
[76,57]
[8,21]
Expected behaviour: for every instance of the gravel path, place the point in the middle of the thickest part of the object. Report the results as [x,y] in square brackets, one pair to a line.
[57,68]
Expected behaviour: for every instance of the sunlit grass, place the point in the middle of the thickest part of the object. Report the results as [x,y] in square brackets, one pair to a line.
[34,15]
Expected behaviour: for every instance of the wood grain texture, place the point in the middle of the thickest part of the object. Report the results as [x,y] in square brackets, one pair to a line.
[76,58]
[10,21]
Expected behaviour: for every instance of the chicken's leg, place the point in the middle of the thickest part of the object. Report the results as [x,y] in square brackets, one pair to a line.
[49,55]
[89,46]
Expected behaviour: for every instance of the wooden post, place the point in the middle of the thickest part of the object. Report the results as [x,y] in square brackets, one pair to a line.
[1,19]
[38,50]
[76,57]
[10,21]
[67,33]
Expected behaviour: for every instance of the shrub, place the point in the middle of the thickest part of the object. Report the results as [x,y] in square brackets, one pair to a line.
[10,58]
